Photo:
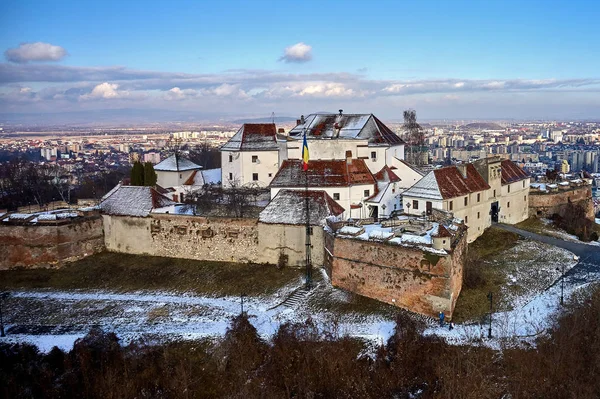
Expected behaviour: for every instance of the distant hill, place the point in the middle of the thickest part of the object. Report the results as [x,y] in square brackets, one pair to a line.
[483,126]
[277,119]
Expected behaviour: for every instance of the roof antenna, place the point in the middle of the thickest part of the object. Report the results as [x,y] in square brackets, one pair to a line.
[273,117]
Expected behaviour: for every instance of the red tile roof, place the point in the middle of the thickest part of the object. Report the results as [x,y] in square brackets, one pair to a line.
[442,232]
[452,183]
[323,173]
[387,174]
[511,172]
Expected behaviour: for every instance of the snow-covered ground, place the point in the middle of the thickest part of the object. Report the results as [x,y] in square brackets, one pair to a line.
[49,318]
[519,325]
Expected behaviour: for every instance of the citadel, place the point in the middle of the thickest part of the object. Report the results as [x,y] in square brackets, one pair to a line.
[378,225]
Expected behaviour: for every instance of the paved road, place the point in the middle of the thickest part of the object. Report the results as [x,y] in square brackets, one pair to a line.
[588,267]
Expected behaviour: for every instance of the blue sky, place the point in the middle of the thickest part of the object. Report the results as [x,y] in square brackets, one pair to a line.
[446,59]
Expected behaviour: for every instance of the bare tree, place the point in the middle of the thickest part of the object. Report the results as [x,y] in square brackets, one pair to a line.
[414,137]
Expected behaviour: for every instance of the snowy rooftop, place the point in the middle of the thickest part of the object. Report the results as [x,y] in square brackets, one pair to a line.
[253,137]
[176,163]
[375,232]
[202,177]
[133,201]
[289,207]
[346,126]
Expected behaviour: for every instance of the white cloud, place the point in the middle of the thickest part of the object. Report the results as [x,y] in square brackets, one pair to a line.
[37,51]
[299,52]
[178,94]
[104,91]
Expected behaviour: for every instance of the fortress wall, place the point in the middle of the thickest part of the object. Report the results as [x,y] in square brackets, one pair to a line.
[47,245]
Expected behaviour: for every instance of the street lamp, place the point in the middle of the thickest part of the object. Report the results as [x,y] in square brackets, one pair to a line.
[3,296]
[491,298]
[562,283]
[242,296]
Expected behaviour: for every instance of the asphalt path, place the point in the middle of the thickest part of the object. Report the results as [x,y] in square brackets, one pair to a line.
[588,267]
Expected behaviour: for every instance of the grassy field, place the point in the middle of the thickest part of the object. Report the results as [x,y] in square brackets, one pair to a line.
[128,273]
[472,302]
[513,269]
[538,226]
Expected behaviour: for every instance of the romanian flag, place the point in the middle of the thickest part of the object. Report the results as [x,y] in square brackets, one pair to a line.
[304,154]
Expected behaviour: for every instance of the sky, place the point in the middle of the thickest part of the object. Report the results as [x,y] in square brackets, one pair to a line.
[228,59]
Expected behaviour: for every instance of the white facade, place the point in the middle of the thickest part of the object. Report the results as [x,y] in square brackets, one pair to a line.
[243,168]
[351,198]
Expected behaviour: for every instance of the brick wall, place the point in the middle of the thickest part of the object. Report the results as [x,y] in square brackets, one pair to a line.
[406,277]
[546,205]
[49,245]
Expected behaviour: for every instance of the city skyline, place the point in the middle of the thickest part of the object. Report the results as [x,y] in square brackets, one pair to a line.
[463,60]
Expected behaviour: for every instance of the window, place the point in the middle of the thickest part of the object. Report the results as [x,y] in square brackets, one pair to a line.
[525,198]
[255,176]
[523,183]
[254,158]
[466,219]
[450,206]
[231,176]
[336,196]
[494,193]
[270,174]
[310,231]
[508,187]
[508,204]
[478,197]
[373,155]
[366,193]
[466,201]
[180,176]
[230,158]
[415,205]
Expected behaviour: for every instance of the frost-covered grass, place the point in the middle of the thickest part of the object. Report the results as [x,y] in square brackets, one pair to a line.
[546,227]
[127,273]
[515,272]
[47,317]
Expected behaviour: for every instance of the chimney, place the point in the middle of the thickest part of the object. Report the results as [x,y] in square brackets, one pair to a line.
[462,168]
[348,157]
[341,112]
[298,121]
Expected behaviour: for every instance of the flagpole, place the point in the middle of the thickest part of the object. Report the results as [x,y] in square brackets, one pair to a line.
[307,209]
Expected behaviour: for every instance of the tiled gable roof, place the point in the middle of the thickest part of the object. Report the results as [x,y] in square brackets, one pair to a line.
[452,183]
[133,201]
[511,172]
[289,207]
[386,174]
[176,163]
[322,173]
[346,126]
[253,137]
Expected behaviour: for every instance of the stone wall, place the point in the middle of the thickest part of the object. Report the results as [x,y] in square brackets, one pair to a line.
[180,236]
[49,245]
[288,240]
[406,277]
[547,204]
